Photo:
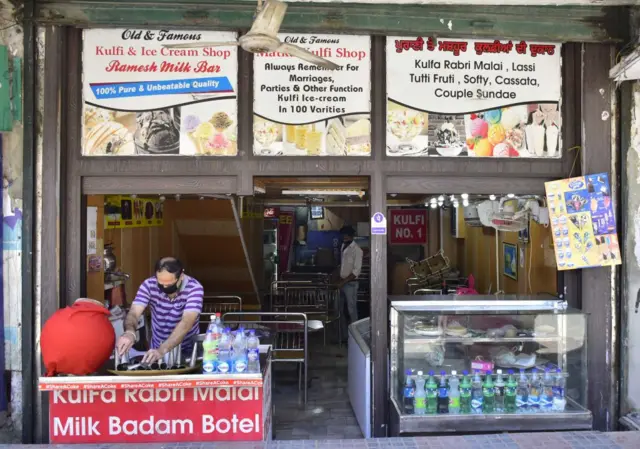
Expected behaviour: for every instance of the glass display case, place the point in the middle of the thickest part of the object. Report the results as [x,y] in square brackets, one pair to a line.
[487,363]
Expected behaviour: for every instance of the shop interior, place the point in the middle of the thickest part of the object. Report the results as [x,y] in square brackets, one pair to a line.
[252,253]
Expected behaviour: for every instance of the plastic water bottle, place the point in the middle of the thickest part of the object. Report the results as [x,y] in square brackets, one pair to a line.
[489,394]
[212,323]
[465,393]
[499,392]
[535,390]
[253,352]
[224,352]
[443,394]
[240,352]
[432,394]
[510,392]
[476,393]
[522,392]
[408,395]
[420,403]
[209,356]
[559,399]
[454,393]
[546,398]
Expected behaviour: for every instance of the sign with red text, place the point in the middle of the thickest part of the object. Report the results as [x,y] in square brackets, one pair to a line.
[301,109]
[142,97]
[408,226]
[161,415]
[494,98]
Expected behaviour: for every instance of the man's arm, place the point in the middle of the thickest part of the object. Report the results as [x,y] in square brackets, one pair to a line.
[131,321]
[181,330]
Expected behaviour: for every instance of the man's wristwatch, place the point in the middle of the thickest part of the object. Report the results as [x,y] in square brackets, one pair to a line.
[133,334]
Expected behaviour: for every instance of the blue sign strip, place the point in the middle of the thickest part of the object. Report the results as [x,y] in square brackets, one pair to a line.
[104,91]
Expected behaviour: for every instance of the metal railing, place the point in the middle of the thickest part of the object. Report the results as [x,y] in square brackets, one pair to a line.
[290,336]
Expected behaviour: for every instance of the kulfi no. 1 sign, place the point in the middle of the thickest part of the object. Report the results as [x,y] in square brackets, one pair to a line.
[143,98]
[452,98]
[301,109]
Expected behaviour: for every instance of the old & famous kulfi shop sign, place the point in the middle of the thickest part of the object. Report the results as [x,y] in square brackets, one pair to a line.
[301,109]
[452,98]
[144,98]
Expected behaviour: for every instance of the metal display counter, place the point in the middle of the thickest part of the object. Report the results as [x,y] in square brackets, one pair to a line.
[359,376]
[447,333]
[160,409]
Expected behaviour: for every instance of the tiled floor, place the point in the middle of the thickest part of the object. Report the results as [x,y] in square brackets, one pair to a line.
[328,414]
[557,440]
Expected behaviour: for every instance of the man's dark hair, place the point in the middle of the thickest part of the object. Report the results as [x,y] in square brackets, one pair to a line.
[169,264]
[348,230]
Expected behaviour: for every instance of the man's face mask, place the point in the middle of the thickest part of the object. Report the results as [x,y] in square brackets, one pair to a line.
[169,289]
[163,283]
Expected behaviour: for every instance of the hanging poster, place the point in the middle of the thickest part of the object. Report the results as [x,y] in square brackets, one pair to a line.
[142,98]
[473,98]
[132,212]
[301,109]
[583,222]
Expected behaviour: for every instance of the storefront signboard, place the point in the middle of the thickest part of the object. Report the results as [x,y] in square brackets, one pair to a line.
[461,97]
[161,415]
[132,212]
[408,226]
[301,109]
[141,98]
[583,222]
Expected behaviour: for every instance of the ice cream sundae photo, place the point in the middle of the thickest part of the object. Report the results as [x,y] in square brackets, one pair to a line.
[209,137]
[157,132]
[265,134]
[406,125]
[448,141]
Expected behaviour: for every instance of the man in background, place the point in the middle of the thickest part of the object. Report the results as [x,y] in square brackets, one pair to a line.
[350,268]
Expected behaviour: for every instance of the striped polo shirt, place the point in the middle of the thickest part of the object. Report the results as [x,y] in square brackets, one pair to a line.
[166,313]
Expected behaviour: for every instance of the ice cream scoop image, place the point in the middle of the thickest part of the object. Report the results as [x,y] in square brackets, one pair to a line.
[190,123]
[501,150]
[204,131]
[493,116]
[483,148]
[496,134]
[479,128]
[510,118]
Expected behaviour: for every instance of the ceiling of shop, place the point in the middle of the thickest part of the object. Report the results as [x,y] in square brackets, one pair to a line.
[275,186]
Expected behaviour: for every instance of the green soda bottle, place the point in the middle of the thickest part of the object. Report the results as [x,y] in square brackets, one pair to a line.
[465,393]
[489,394]
[432,395]
[510,393]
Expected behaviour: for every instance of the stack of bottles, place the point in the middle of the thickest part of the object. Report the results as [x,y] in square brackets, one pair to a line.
[482,394]
[226,352]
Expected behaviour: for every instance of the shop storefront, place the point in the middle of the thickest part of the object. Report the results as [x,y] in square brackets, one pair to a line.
[126,112]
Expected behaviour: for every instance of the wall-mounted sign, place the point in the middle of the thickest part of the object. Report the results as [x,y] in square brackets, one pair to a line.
[453,98]
[270,212]
[303,110]
[583,222]
[141,98]
[132,212]
[378,224]
[408,226]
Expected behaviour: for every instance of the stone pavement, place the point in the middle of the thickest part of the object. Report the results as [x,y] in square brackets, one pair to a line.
[556,440]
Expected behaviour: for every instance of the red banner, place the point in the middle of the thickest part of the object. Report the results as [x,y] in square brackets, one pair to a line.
[285,237]
[408,226]
[156,415]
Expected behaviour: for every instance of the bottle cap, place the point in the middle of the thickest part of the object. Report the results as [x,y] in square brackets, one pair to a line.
[558,370]
[408,372]
[252,331]
[499,371]
[535,370]
[419,373]
[510,371]
[454,372]
[443,373]
[431,373]
[489,373]
[465,373]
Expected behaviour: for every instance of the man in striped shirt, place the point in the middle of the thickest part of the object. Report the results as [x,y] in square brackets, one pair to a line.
[175,300]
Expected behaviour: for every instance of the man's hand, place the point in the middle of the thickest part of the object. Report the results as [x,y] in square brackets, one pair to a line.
[153,355]
[124,343]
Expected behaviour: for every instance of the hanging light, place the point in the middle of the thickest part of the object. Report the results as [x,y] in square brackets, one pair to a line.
[455,204]
[432,201]
[492,197]
[465,196]
[440,203]
[510,195]
[465,203]
[434,205]
[452,198]
[441,199]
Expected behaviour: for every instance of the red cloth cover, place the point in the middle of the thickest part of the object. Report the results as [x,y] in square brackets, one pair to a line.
[77,340]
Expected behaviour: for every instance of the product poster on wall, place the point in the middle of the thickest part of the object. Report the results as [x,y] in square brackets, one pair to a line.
[583,222]
[144,98]
[132,212]
[301,109]
[473,98]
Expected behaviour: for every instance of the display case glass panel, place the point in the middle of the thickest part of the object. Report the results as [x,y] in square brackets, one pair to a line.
[533,346]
